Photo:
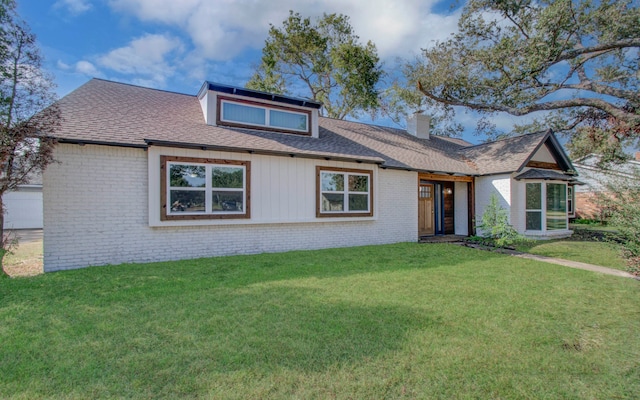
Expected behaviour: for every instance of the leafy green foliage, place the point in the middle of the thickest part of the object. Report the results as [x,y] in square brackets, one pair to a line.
[574,61]
[323,61]
[495,225]
[27,117]
[622,201]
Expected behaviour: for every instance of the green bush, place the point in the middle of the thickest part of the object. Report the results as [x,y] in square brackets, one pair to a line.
[495,225]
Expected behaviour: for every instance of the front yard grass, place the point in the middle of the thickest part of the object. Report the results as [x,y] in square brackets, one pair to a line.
[393,321]
[591,252]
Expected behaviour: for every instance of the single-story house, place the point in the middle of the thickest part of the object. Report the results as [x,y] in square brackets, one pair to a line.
[149,175]
[595,178]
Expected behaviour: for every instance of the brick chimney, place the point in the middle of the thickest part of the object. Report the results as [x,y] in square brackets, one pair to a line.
[419,125]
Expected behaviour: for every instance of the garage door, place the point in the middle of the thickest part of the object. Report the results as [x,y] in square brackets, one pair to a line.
[23,209]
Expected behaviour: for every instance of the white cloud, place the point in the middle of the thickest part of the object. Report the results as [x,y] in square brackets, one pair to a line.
[222,29]
[149,58]
[61,65]
[75,7]
[87,68]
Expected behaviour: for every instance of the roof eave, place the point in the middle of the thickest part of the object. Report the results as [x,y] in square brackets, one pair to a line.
[322,156]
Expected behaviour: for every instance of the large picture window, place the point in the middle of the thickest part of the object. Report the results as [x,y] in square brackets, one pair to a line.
[546,204]
[344,192]
[195,188]
[252,114]
[556,206]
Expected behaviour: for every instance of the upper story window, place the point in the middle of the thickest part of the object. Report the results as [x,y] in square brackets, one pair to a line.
[242,113]
[344,192]
[196,188]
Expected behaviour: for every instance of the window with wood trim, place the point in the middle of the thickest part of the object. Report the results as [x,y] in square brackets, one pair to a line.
[250,114]
[344,192]
[199,188]
[546,206]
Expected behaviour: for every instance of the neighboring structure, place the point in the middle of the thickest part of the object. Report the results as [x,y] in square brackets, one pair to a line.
[595,178]
[23,207]
[148,175]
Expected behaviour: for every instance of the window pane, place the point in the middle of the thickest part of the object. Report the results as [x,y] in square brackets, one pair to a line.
[187,201]
[283,119]
[358,202]
[556,206]
[358,183]
[227,177]
[332,202]
[186,176]
[534,196]
[227,201]
[534,220]
[242,113]
[332,182]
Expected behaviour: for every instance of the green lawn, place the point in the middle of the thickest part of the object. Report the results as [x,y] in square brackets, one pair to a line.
[591,252]
[396,321]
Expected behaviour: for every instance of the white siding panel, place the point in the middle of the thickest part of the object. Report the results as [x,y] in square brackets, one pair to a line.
[461,215]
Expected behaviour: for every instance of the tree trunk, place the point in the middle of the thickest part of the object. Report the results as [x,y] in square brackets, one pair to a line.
[4,242]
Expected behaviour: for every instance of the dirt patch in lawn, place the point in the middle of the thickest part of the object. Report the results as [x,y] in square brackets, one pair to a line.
[26,260]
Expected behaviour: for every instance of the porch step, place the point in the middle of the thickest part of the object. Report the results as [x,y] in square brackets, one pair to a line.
[442,239]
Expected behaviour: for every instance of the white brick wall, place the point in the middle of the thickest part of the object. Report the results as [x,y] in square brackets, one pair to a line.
[96,202]
[485,186]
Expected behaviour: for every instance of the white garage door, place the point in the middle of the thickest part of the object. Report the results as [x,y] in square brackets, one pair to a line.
[23,209]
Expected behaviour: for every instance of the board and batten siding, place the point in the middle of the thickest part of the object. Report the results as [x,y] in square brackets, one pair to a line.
[101,206]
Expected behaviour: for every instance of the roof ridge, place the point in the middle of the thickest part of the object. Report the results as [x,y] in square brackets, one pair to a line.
[505,139]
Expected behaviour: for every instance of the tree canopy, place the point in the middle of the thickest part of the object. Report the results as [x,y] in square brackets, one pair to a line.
[323,61]
[576,61]
[27,116]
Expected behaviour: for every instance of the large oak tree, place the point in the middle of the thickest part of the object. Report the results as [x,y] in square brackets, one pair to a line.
[577,62]
[323,61]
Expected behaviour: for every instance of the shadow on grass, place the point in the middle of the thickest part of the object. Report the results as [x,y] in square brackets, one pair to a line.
[243,270]
[127,342]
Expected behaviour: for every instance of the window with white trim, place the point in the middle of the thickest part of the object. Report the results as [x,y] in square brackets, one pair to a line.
[570,201]
[253,114]
[534,206]
[556,206]
[546,206]
[344,192]
[195,188]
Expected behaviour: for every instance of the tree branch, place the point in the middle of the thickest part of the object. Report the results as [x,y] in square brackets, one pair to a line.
[599,104]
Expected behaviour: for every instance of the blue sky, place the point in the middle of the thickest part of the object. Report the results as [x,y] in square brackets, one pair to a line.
[175,45]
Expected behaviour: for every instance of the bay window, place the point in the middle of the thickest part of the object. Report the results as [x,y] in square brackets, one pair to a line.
[546,206]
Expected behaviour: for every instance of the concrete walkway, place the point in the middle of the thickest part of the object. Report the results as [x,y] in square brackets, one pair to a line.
[575,264]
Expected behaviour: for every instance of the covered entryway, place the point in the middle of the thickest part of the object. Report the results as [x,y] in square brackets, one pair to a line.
[438,207]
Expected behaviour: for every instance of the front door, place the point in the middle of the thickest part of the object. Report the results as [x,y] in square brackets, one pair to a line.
[426,224]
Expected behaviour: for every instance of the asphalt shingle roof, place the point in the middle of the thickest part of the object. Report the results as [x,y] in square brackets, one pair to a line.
[105,112]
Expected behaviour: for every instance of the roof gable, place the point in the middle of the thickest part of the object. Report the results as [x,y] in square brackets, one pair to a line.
[513,154]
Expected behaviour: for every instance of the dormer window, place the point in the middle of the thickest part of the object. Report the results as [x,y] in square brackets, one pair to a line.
[224,105]
[243,113]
